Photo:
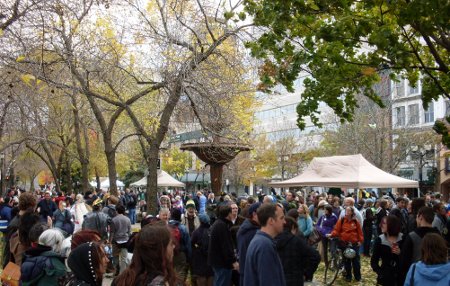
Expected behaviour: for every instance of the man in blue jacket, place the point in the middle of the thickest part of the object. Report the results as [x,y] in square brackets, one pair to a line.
[262,254]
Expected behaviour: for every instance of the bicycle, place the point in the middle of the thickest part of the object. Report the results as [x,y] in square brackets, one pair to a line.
[334,260]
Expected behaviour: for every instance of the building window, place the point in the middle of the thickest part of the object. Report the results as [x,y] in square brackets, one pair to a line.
[429,113]
[412,89]
[400,115]
[400,88]
[413,114]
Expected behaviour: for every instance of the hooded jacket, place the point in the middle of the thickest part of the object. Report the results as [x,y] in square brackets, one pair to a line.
[390,262]
[244,235]
[221,253]
[80,264]
[41,266]
[436,275]
[296,257]
[348,230]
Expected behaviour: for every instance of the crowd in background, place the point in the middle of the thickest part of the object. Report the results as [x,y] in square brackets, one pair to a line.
[200,239]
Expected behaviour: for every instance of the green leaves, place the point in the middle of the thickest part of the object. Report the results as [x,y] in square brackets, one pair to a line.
[343,45]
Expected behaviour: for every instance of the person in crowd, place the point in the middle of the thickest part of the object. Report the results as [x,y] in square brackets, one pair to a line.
[164,215]
[97,220]
[79,210]
[290,202]
[111,203]
[152,262]
[201,202]
[6,210]
[60,197]
[62,219]
[221,255]
[46,207]
[27,203]
[164,202]
[337,206]
[305,223]
[88,263]
[262,263]
[44,264]
[368,220]
[320,210]
[381,212]
[350,202]
[349,231]
[325,225]
[190,218]
[433,268]
[299,260]
[413,241]
[131,205]
[387,249]
[183,250]
[416,205]
[20,241]
[120,233]
[83,236]
[202,273]
[245,235]
[440,218]
[399,209]
[178,203]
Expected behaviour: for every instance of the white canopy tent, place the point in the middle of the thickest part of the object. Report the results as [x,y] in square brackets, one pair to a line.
[105,184]
[164,180]
[352,171]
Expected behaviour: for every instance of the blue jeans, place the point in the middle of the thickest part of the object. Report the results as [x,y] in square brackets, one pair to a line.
[132,215]
[354,263]
[222,276]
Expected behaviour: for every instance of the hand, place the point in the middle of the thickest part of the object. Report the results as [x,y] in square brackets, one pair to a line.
[49,222]
[236,266]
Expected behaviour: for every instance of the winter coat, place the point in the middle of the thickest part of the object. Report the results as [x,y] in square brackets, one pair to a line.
[348,230]
[97,220]
[436,275]
[220,252]
[296,257]
[390,262]
[305,225]
[244,236]
[200,266]
[326,224]
[46,208]
[41,266]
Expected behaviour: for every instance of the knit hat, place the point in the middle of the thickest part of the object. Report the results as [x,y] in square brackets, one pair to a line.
[204,218]
[190,204]
[253,208]
[80,262]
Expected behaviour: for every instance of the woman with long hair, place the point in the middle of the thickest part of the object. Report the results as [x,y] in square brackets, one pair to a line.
[433,268]
[88,263]
[152,262]
[305,223]
[387,249]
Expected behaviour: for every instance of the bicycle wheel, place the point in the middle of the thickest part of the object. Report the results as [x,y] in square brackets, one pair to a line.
[333,263]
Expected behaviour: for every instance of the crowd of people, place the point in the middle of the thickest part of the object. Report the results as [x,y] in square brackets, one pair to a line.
[198,239]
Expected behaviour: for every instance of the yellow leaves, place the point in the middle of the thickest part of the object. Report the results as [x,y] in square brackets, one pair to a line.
[1,32]
[28,79]
[368,71]
[20,59]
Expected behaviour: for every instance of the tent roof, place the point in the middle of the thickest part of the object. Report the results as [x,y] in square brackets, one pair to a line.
[164,180]
[352,171]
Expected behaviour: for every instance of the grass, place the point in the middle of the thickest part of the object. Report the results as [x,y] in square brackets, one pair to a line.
[369,277]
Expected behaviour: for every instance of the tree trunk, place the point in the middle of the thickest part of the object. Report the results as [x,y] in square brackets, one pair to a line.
[110,153]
